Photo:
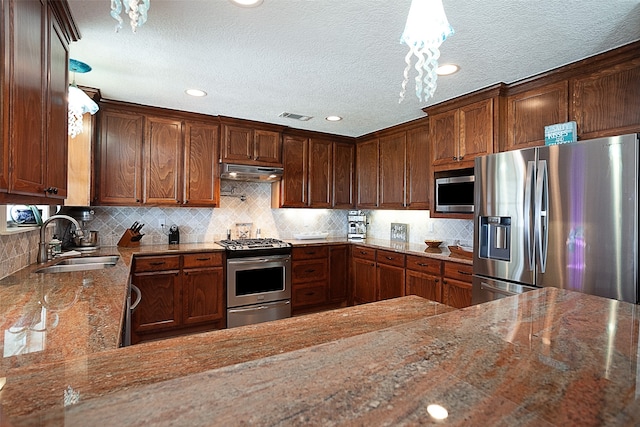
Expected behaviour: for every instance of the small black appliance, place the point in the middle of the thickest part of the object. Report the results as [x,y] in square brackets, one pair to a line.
[174,235]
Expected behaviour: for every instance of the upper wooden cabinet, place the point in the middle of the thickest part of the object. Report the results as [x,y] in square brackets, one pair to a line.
[606,102]
[244,143]
[464,128]
[318,172]
[34,80]
[367,172]
[394,169]
[530,111]
[156,159]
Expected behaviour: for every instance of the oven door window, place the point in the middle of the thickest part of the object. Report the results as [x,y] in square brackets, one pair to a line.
[260,280]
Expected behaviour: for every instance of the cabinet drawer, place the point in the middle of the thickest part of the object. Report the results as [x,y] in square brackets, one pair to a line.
[364,253]
[205,259]
[457,271]
[311,294]
[156,263]
[424,265]
[310,252]
[390,258]
[309,270]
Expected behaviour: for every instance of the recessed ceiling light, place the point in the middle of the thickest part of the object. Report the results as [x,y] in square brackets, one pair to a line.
[447,69]
[333,118]
[246,3]
[195,92]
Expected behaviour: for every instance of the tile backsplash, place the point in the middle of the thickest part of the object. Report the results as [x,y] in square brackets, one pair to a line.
[207,224]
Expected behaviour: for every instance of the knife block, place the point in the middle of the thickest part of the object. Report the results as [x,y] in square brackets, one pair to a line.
[127,240]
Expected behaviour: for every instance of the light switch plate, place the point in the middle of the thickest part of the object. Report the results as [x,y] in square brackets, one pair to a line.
[399,232]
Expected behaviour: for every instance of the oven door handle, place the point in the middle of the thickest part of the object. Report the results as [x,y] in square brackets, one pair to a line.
[257,260]
[260,307]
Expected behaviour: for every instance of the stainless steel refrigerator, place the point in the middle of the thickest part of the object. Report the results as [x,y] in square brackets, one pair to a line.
[564,216]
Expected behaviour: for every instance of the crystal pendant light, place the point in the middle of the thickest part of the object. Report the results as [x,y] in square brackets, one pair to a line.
[79,102]
[426,28]
[136,9]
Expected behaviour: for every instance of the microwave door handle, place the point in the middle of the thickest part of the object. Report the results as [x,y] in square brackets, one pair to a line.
[528,234]
[541,214]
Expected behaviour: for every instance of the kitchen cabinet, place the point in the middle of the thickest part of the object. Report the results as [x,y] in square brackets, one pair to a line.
[364,274]
[319,275]
[180,294]
[456,284]
[419,174]
[243,143]
[318,173]
[423,277]
[343,175]
[393,160]
[34,80]
[367,173]
[309,277]
[606,102]
[151,159]
[465,128]
[529,111]
[377,274]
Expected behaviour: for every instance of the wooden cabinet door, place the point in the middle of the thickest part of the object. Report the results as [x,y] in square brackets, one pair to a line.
[390,280]
[456,293]
[237,144]
[201,165]
[4,96]
[293,186]
[364,281]
[57,134]
[529,112]
[203,295]
[419,174]
[160,306]
[320,173]
[445,137]
[267,147]
[367,171]
[163,160]
[393,171]
[607,102]
[28,98]
[343,175]
[120,158]
[425,285]
[476,131]
[338,273]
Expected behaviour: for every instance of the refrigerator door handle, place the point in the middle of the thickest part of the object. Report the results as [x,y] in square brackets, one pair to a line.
[528,234]
[541,214]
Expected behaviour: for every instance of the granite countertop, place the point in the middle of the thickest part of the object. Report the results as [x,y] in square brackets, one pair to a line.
[546,357]
[36,389]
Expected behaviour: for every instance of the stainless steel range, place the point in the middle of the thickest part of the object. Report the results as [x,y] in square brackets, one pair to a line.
[258,280]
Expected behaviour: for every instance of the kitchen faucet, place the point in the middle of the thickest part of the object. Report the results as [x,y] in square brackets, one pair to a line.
[42,248]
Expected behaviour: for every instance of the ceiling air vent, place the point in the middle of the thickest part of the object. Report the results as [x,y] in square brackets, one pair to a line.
[295,116]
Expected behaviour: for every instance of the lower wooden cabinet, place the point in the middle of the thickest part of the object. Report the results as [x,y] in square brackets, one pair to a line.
[180,294]
[456,284]
[377,274]
[319,276]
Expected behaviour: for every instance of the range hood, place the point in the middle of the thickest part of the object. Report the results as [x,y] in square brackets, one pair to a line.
[250,173]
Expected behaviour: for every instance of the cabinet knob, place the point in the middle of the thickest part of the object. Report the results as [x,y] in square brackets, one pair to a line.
[178,201]
[137,200]
[51,190]
[455,158]
[461,157]
[186,201]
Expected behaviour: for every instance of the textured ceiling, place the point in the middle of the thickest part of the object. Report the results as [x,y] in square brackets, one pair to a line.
[324,57]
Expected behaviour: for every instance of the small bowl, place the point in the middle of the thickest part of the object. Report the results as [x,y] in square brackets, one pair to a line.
[433,243]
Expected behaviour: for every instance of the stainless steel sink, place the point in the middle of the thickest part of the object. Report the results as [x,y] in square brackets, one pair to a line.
[80,264]
[112,259]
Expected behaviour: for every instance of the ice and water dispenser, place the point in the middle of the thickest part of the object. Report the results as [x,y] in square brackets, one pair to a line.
[495,237]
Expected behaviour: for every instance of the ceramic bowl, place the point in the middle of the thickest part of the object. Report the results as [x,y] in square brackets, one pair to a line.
[433,243]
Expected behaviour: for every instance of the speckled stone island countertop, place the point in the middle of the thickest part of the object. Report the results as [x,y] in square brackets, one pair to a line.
[547,357]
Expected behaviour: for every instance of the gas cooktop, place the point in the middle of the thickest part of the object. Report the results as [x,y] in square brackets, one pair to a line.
[252,244]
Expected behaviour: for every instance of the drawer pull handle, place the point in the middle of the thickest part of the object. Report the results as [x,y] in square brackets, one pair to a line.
[158,263]
[310,270]
[363,252]
[310,252]
[203,259]
[390,258]
[422,264]
[464,273]
[309,294]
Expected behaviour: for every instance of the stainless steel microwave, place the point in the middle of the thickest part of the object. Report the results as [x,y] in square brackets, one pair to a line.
[455,194]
